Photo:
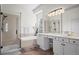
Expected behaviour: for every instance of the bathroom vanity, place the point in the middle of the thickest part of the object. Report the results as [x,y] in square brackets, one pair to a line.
[62,45]
[66,24]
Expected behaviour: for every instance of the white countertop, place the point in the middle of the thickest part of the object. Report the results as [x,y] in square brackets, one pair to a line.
[59,35]
[29,38]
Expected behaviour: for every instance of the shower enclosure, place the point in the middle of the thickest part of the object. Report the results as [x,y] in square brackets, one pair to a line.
[9,33]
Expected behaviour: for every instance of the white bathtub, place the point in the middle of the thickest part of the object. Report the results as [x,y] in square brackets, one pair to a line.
[28,41]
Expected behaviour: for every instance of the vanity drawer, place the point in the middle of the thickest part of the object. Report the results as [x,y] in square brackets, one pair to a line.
[52,37]
[74,41]
[63,39]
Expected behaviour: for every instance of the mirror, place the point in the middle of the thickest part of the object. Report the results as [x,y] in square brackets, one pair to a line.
[71,21]
[53,24]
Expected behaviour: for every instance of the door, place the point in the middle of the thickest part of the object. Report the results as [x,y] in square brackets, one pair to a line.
[10,41]
[40,41]
[57,47]
[77,49]
[69,49]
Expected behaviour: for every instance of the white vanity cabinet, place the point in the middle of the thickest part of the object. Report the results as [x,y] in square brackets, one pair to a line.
[64,46]
[43,42]
[77,49]
[61,45]
[39,40]
[69,49]
[76,42]
[57,47]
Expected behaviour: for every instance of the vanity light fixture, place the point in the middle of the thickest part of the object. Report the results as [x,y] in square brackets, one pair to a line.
[56,12]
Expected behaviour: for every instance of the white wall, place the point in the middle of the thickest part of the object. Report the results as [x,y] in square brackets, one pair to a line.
[28,19]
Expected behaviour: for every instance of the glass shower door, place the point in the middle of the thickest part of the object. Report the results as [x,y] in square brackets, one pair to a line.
[0,31]
[0,34]
[10,43]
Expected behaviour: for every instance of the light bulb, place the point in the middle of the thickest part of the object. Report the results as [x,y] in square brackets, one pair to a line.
[49,14]
[56,12]
[62,11]
[59,11]
[52,13]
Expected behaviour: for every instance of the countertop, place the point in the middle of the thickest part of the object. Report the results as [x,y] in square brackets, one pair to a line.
[59,35]
[29,38]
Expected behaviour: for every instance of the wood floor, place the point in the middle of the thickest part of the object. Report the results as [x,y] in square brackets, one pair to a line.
[36,51]
[31,51]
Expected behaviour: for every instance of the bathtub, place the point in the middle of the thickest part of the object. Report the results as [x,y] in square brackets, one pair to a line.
[28,41]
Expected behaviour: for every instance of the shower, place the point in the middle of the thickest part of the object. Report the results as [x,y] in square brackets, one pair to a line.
[2,18]
[9,41]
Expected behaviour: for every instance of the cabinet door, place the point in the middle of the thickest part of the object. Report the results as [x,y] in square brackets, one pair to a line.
[57,48]
[69,49]
[77,49]
[43,42]
[40,41]
[46,43]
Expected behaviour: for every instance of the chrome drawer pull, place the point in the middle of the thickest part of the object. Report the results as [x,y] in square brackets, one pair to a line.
[63,44]
[62,39]
[73,41]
